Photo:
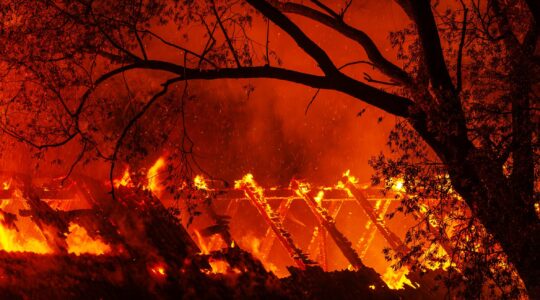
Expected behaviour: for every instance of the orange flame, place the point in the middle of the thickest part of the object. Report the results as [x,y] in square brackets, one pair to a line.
[80,243]
[200,183]
[125,180]
[153,184]
[397,279]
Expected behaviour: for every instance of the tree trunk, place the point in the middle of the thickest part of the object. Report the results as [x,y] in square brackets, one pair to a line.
[503,213]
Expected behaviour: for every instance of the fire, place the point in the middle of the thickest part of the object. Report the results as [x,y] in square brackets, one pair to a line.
[398,185]
[201,243]
[200,183]
[219,266]
[350,178]
[247,180]
[254,245]
[153,184]
[80,243]
[6,184]
[11,240]
[125,180]
[319,197]
[397,279]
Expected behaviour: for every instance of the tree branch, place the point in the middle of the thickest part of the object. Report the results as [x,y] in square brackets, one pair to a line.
[131,123]
[431,45]
[390,103]
[350,32]
[301,39]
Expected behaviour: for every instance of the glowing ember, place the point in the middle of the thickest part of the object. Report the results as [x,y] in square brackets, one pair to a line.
[80,243]
[159,270]
[219,266]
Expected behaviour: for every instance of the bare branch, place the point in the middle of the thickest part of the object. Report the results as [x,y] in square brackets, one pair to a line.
[224,31]
[131,123]
[301,39]
[326,9]
[356,35]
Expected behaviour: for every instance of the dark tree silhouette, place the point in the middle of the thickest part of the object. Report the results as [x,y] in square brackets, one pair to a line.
[468,87]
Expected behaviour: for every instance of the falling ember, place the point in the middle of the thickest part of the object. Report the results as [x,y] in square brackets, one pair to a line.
[152,176]
[79,242]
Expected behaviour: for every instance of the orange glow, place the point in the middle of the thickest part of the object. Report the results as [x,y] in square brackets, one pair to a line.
[12,240]
[319,197]
[397,279]
[6,184]
[125,180]
[158,270]
[397,185]
[79,242]
[152,177]
[219,266]
[201,243]
[200,183]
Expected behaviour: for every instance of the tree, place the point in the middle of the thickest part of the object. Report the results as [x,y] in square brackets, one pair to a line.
[467,89]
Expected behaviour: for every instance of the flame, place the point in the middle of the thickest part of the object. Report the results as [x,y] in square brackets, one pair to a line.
[397,279]
[201,243]
[247,180]
[80,243]
[254,245]
[12,240]
[398,184]
[350,177]
[319,197]
[125,180]
[153,184]
[200,183]
[6,184]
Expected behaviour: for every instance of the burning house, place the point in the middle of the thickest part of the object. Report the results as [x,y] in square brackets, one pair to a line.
[261,149]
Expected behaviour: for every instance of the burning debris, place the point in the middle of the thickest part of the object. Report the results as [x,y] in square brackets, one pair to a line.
[132,245]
